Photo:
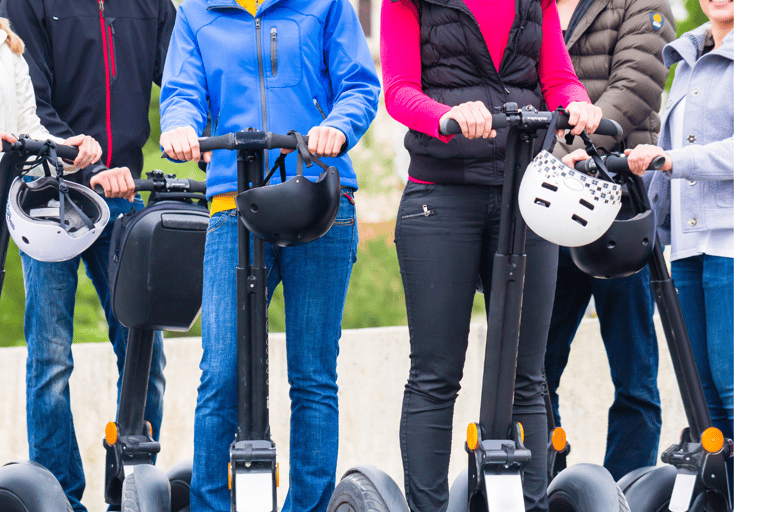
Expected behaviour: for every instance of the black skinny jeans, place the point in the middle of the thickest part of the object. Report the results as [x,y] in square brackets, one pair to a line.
[446,235]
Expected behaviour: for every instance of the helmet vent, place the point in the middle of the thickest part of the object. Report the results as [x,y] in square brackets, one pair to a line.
[549,186]
[254,208]
[24,239]
[579,220]
[611,244]
[542,202]
[586,204]
[646,241]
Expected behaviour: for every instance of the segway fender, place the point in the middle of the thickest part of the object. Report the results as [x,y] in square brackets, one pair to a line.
[146,490]
[180,478]
[30,487]
[458,498]
[586,488]
[651,490]
[387,488]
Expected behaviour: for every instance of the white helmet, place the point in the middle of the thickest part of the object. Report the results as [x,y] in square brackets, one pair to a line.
[565,206]
[52,219]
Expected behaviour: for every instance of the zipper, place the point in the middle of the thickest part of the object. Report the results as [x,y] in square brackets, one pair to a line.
[262,85]
[105,36]
[273,48]
[318,107]
[426,212]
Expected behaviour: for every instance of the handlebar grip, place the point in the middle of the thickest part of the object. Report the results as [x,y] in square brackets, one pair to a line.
[617,163]
[606,127]
[34,146]
[450,126]
[143,185]
[226,141]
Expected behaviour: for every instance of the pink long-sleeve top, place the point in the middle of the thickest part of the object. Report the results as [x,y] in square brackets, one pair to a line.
[401,59]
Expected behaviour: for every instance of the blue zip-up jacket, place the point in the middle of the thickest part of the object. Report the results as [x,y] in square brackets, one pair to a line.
[706,159]
[287,68]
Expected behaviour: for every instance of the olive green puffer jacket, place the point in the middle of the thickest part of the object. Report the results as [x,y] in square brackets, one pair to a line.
[616,52]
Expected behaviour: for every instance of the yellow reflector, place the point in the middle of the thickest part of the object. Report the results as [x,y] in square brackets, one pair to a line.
[712,440]
[110,433]
[277,483]
[149,429]
[229,475]
[558,439]
[472,437]
[522,432]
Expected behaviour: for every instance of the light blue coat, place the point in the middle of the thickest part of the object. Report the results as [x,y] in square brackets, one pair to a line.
[706,159]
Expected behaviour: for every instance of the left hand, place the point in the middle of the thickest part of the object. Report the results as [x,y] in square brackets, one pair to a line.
[116,182]
[325,141]
[89,151]
[583,116]
[640,157]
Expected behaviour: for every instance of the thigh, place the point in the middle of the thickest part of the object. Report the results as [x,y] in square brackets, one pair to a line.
[439,236]
[718,299]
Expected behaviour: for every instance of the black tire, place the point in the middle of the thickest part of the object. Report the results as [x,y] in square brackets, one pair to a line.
[146,489]
[130,502]
[356,493]
[650,490]
[585,488]
[30,487]
[180,478]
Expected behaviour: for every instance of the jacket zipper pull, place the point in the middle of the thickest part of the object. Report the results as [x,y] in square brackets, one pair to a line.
[318,107]
[427,211]
[101,7]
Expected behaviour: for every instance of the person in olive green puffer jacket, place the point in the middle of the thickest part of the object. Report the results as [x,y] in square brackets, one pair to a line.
[615,46]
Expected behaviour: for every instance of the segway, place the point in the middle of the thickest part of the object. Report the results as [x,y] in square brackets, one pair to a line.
[148,248]
[695,478]
[253,455]
[493,479]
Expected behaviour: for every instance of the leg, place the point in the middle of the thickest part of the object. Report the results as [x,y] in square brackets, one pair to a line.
[572,292]
[439,258]
[48,329]
[315,279]
[96,260]
[216,410]
[625,309]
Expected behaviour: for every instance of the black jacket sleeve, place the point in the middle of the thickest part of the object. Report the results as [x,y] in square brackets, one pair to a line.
[167,18]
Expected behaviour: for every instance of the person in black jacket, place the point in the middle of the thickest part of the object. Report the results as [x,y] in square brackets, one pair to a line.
[92,64]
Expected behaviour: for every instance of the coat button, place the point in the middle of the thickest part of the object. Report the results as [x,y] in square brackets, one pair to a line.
[692,221]
[691,182]
[695,91]
[692,138]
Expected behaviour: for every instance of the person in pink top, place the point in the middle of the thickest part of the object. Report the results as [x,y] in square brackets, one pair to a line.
[460,59]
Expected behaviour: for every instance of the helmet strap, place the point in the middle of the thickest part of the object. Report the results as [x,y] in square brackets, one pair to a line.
[304,158]
[64,197]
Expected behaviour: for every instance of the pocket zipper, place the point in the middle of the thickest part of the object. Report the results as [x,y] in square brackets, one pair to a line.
[319,108]
[425,213]
[273,48]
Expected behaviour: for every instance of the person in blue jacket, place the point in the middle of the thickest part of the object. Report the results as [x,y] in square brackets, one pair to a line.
[277,66]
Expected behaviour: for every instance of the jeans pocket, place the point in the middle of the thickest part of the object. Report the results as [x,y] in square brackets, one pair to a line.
[346,213]
[217,220]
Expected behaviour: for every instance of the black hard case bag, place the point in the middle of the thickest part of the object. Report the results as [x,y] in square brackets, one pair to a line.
[156,266]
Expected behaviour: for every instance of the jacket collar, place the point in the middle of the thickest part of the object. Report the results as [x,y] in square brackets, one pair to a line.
[586,20]
[232,4]
[688,47]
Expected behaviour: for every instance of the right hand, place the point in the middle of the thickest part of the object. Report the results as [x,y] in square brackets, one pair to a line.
[182,144]
[89,150]
[473,117]
[116,182]
[7,137]
[576,156]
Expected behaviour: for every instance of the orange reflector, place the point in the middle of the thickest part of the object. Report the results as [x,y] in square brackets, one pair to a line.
[110,433]
[712,440]
[472,436]
[277,475]
[229,475]
[149,429]
[558,439]
[522,432]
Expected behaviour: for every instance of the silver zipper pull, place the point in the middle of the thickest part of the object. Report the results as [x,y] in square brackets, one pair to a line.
[427,211]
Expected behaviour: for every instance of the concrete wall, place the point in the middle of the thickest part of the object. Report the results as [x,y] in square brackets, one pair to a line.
[373,366]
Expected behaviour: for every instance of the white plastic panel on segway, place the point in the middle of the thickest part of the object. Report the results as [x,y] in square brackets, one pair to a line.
[682,493]
[253,492]
[504,493]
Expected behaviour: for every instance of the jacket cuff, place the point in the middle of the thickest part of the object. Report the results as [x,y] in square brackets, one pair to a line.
[92,170]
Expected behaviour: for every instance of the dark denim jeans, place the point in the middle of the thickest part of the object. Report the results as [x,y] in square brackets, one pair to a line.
[48,329]
[705,288]
[315,278]
[441,256]
[625,309]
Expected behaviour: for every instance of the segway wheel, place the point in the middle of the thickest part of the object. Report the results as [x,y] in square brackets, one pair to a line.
[649,489]
[586,488]
[29,487]
[146,490]
[356,493]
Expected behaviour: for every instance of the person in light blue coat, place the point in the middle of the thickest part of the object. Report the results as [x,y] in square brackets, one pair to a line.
[692,197]
[272,65]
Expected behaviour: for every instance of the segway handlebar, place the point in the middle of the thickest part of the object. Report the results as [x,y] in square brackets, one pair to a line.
[164,183]
[32,146]
[616,163]
[533,119]
[249,140]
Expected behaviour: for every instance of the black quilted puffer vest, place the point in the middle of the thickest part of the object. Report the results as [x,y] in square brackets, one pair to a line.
[456,67]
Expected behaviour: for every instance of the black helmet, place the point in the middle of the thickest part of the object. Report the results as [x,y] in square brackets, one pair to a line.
[627,245]
[296,211]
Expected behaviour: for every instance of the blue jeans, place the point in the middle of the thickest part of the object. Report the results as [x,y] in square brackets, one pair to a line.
[705,288]
[315,278]
[49,329]
[625,309]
